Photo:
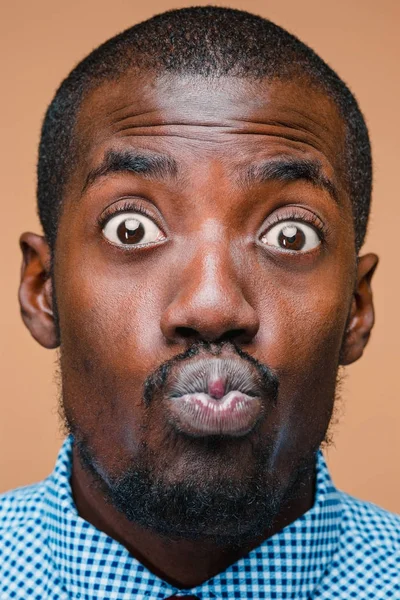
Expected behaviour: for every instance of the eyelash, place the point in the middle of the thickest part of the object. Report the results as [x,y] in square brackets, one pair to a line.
[292,215]
[307,217]
[127,206]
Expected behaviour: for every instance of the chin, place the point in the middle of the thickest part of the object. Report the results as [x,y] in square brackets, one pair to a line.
[226,502]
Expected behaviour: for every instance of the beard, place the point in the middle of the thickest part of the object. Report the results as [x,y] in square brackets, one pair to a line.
[226,512]
[208,503]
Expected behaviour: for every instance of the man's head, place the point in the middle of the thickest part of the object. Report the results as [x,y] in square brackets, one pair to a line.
[204,188]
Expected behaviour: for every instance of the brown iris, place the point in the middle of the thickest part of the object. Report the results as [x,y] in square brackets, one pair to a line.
[130,231]
[292,238]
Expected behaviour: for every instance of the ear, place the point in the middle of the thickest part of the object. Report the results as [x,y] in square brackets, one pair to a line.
[35,290]
[362,316]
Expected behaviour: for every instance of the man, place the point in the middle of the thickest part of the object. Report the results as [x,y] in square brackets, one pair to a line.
[204,185]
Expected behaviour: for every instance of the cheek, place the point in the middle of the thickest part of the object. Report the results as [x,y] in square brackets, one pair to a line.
[109,341]
[301,339]
[304,319]
[113,316]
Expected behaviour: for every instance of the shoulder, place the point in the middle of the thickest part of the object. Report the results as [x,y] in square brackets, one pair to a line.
[21,505]
[377,527]
[366,564]
[21,521]
[21,525]
[26,568]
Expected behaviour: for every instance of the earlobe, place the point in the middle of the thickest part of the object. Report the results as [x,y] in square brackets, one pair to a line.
[35,290]
[362,316]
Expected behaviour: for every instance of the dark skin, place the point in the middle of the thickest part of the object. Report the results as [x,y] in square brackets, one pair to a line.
[210,275]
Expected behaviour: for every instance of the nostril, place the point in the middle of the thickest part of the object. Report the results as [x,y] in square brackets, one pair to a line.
[186,332]
[191,333]
[233,334]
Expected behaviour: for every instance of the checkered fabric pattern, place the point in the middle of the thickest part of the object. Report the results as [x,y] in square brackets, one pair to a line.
[341,548]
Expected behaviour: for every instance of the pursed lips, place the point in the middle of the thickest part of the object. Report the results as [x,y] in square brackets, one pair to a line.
[214,396]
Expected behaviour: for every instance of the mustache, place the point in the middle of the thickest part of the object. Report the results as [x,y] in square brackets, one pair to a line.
[268,385]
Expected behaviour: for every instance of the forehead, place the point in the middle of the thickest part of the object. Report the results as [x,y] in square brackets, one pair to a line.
[229,120]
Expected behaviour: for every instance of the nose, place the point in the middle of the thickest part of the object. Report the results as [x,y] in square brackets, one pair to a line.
[209,303]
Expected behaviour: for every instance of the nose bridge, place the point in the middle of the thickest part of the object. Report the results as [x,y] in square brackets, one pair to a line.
[209,297]
[212,272]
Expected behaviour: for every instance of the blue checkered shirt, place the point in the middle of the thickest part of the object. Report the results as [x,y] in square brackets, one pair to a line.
[341,548]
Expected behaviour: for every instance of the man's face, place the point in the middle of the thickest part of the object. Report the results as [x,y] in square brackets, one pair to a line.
[209,221]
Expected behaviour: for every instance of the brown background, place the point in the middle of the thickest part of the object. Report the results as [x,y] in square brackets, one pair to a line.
[40,42]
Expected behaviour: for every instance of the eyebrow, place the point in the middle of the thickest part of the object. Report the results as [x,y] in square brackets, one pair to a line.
[287,169]
[161,166]
[148,164]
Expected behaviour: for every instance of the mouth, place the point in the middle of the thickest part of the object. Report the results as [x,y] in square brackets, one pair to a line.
[214,396]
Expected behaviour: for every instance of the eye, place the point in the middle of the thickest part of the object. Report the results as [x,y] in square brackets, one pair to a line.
[292,235]
[132,229]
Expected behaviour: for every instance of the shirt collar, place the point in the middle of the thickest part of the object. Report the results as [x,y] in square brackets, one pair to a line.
[90,563]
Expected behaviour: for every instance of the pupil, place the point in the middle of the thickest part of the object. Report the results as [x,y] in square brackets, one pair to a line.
[130,231]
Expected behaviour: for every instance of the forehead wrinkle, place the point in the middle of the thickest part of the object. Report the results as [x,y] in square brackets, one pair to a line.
[235,124]
[131,111]
[219,136]
[216,130]
[180,120]
[291,122]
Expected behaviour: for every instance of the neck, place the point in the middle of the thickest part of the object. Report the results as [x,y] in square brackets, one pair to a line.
[182,563]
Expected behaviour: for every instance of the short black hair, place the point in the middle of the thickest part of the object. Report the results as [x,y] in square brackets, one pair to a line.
[206,41]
